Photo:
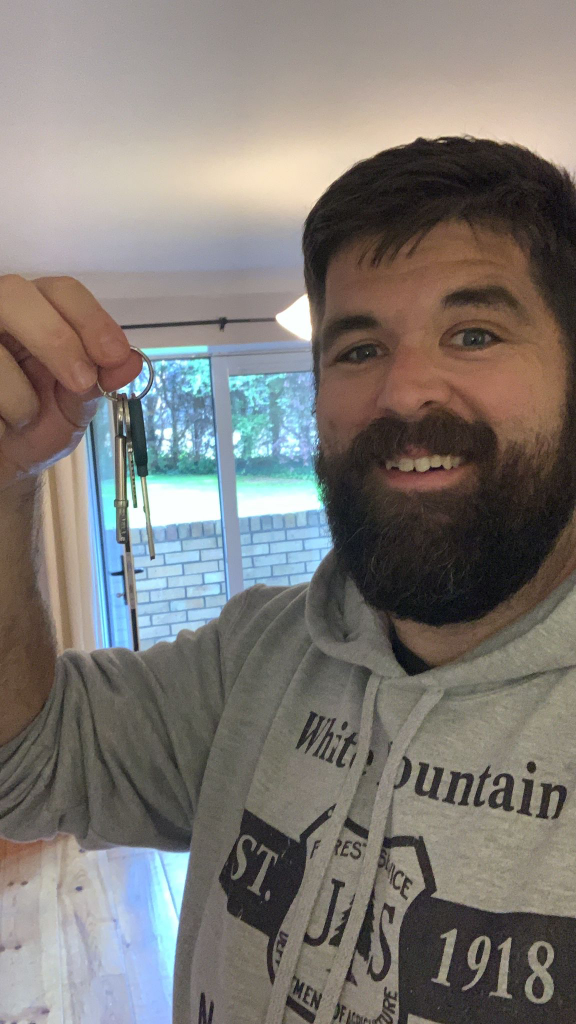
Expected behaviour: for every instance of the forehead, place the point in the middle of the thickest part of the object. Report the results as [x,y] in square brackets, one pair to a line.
[450,253]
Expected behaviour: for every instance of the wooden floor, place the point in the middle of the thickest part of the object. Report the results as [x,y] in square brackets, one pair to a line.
[87,937]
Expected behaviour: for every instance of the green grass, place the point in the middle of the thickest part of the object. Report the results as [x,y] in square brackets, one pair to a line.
[192,499]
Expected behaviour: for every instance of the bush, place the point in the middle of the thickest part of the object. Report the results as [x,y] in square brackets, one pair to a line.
[286,469]
[204,466]
[187,465]
[269,466]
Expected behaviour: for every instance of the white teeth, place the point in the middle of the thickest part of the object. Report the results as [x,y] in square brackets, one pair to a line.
[423,464]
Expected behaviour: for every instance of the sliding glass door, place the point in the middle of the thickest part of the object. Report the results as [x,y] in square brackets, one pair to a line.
[283,535]
[232,491]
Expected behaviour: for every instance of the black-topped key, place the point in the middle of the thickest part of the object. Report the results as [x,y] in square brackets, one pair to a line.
[140,450]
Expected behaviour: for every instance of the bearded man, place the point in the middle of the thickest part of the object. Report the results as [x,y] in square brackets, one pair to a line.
[373,772]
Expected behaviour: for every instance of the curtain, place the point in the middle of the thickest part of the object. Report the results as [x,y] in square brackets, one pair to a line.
[69,554]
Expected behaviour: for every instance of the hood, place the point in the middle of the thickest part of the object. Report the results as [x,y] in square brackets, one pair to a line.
[343,626]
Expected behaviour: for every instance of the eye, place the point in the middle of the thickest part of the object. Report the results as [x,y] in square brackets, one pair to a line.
[474,340]
[358,354]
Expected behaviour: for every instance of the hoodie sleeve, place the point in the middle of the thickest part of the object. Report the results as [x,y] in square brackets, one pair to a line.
[117,755]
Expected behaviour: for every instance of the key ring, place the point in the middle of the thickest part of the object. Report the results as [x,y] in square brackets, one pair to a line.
[112,396]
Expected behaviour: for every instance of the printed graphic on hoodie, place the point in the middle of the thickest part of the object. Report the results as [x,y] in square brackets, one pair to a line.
[420,959]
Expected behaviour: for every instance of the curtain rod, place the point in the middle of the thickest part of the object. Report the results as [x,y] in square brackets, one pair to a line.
[222,321]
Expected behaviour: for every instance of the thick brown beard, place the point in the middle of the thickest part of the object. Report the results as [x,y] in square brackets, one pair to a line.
[452,555]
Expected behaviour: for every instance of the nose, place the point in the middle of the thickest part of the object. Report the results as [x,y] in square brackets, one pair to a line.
[412,380]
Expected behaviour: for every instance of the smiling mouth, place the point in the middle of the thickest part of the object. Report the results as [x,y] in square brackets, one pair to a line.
[432,479]
[424,463]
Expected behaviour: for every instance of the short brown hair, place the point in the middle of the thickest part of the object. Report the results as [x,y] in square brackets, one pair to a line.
[403,192]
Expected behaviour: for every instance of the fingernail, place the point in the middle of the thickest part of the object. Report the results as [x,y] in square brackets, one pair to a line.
[85,376]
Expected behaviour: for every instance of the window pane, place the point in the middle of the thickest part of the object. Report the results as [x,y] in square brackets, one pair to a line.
[184,586]
[282,523]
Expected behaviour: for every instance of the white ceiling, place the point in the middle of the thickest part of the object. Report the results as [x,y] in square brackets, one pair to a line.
[194,135]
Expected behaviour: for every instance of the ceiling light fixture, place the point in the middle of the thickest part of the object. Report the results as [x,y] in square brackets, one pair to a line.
[296,319]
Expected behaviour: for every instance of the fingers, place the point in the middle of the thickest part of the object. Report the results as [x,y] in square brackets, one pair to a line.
[61,323]
[115,379]
[18,400]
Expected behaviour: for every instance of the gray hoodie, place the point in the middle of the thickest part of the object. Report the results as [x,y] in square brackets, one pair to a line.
[367,846]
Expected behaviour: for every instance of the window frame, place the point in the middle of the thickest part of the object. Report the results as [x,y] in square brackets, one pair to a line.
[225,361]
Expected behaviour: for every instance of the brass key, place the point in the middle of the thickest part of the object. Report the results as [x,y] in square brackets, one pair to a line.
[120,500]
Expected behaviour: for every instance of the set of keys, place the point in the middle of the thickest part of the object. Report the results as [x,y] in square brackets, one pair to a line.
[130,457]
[130,450]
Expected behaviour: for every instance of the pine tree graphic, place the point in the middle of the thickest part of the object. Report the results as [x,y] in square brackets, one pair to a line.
[337,937]
[366,931]
[365,937]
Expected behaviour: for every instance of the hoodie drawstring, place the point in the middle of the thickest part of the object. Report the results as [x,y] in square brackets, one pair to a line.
[376,834]
[315,875]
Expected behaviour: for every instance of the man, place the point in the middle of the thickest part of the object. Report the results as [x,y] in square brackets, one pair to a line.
[375,771]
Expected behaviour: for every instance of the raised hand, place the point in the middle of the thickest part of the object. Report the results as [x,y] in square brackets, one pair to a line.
[56,341]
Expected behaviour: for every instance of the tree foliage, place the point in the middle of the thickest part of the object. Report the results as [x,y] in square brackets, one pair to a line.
[272,420]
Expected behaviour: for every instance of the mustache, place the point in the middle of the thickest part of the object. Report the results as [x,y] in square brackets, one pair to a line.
[441,433]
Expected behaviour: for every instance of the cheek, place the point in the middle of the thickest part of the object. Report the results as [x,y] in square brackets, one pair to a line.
[521,410]
[338,421]
[341,413]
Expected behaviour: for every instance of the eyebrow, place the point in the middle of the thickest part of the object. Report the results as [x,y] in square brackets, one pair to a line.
[485,297]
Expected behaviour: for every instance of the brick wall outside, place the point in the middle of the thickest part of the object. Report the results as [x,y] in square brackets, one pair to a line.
[184,587]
